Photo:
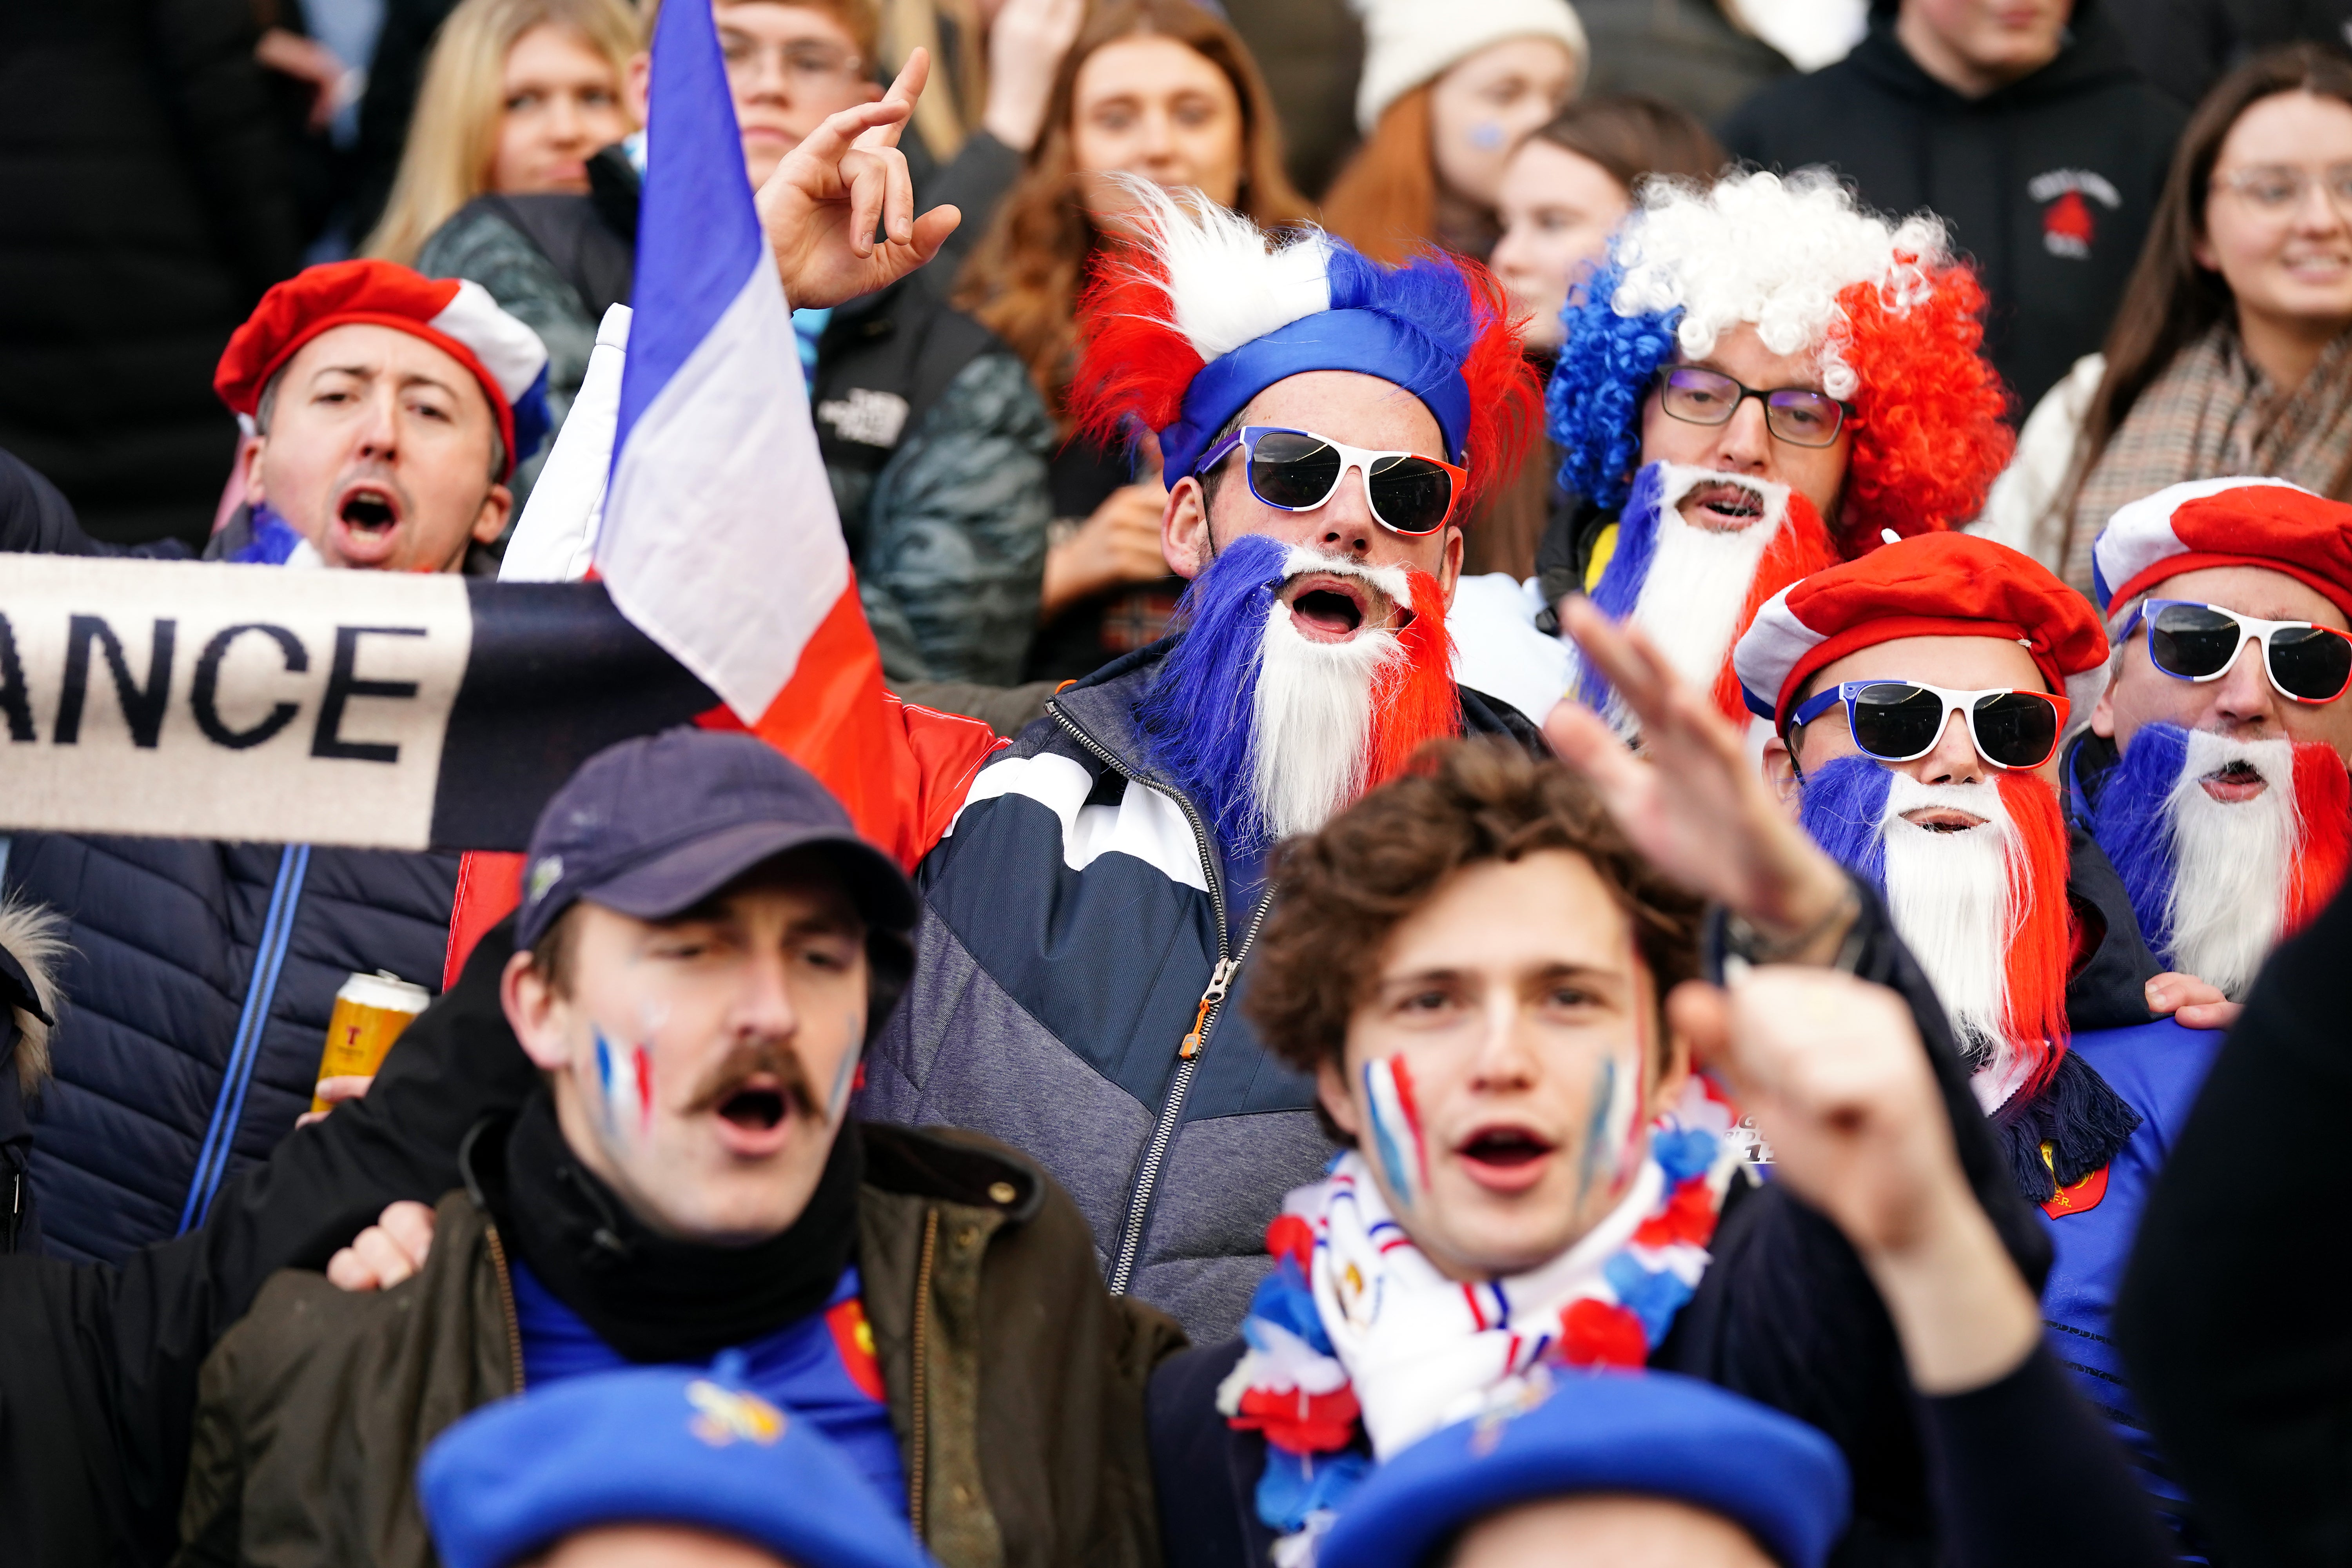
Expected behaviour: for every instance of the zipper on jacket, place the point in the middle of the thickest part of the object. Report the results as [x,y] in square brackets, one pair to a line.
[506,1299]
[919,1509]
[1188,1052]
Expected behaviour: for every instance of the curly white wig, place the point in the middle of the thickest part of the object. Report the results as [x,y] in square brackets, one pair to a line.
[1774,252]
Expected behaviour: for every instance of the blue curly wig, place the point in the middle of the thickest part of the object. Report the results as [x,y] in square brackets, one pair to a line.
[1593,405]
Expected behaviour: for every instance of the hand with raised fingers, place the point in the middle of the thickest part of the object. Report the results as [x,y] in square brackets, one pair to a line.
[821,207]
[1832,1069]
[1025,47]
[1692,801]
[386,1252]
[2192,1002]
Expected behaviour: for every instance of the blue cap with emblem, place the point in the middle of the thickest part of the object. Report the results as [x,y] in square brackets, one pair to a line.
[653,1445]
[653,825]
[1652,1434]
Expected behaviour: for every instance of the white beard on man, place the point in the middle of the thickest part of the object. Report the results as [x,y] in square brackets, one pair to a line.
[1299,681]
[2225,846]
[1699,551]
[1975,880]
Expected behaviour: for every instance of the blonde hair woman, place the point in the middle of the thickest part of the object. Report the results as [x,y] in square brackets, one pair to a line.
[516,95]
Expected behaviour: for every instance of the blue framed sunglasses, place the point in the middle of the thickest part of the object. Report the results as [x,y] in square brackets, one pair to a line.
[2198,642]
[1901,721]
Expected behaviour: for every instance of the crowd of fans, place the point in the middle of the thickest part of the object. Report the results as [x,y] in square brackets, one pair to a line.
[1384,927]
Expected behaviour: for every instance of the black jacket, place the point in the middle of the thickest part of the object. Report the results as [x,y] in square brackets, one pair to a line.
[2048,182]
[143,209]
[1784,1314]
[99,1363]
[2233,1318]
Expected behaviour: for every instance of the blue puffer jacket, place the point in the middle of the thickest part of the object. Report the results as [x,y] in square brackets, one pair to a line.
[196,998]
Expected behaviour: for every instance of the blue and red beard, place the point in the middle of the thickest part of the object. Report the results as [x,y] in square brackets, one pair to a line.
[1352,714]
[2217,885]
[1712,582]
[1988,920]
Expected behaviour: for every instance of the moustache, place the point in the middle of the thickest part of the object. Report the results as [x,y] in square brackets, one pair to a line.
[755,1059]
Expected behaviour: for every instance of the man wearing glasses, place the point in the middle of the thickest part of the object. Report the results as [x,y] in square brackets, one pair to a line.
[1763,380]
[2213,770]
[1918,697]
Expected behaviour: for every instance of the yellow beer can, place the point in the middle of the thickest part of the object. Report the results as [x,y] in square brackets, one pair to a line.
[370,1012]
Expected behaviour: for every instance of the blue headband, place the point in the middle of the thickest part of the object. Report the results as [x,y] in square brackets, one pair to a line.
[1366,341]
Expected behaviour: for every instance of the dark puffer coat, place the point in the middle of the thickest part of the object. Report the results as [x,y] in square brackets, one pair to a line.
[143,209]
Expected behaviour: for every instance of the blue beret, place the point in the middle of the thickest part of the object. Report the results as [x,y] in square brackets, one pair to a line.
[1650,1433]
[653,1445]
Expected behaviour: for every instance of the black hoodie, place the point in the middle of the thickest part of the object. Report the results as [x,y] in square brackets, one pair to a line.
[2048,182]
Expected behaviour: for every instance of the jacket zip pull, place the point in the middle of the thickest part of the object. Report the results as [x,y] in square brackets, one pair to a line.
[1215,993]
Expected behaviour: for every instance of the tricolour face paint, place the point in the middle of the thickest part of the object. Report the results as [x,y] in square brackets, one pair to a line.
[627,1083]
[1396,1129]
[845,1079]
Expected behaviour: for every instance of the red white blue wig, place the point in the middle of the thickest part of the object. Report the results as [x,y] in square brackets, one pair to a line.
[1894,321]
[1204,312]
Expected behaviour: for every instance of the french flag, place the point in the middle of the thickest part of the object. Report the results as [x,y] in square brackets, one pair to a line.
[716,532]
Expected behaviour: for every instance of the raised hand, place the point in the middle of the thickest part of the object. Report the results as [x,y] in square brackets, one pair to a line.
[821,207]
[1025,47]
[1693,802]
[1833,1072]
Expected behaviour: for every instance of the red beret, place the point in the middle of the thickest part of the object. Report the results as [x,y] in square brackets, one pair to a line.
[2268,523]
[1930,585]
[453,315]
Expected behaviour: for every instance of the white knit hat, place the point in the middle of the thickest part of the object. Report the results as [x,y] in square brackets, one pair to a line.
[1409,42]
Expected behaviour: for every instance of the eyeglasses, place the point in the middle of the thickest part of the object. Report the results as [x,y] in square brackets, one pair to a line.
[1797,415]
[1297,470]
[2198,643]
[807,64]
[2279,188]
[1901,721]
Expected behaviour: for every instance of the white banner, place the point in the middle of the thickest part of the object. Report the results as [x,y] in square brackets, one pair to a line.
[188,698]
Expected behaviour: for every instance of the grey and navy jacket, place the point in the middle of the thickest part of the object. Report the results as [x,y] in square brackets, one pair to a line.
[1078,918]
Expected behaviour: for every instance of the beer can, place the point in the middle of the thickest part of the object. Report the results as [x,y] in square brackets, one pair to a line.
[370,1012]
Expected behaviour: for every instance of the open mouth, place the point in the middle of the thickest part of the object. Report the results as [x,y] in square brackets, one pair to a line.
[2234,782]
[1942,819]
[1327,608]
[1725,508]
[754,1108]
[1506,1159]
[367,523]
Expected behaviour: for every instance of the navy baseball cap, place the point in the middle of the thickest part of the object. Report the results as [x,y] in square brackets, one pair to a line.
[653,825]
[653,1445]
[1651,1433]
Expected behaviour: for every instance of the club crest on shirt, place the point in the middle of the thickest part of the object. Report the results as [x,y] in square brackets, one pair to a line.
[725,1415]
[2070,223]
[2078,1197]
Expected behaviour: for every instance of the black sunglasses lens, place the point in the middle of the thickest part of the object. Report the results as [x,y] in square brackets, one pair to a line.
[1411,495]
[2014,730]
[1895,720]
[1803,419]
[2312,664]
[1291,470]
[2191,641]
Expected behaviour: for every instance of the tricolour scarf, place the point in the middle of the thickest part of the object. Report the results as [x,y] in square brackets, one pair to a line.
[2210,413]
[1357,1329]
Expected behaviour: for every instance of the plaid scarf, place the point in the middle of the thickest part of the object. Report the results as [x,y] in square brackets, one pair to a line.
[2211,413]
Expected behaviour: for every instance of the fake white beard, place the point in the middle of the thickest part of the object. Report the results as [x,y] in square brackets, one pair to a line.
[1315,705]
[1699,577]
[1949,896]
[2231,860]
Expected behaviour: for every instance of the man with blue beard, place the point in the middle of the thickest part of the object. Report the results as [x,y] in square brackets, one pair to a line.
[1917,696]
[1089,914]
[2215,778]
